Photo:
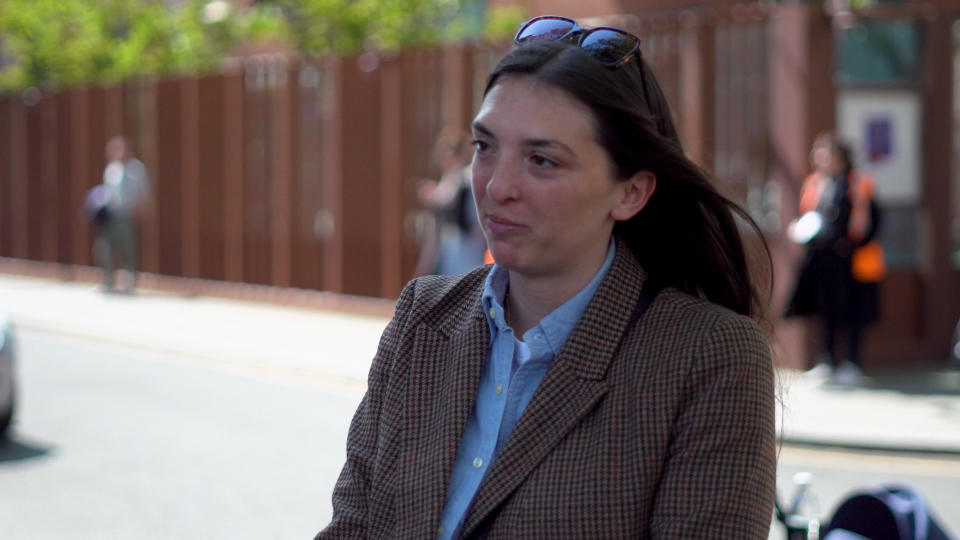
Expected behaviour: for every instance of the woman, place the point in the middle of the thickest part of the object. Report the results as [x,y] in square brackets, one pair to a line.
[844,262]
[556,394]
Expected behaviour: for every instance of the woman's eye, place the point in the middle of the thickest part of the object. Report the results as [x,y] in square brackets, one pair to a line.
[542,161]
[480,146]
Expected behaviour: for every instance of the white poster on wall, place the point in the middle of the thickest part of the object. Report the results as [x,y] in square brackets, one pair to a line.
[884,128]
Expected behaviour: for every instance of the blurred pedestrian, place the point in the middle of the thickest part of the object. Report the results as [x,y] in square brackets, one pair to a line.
[606,377]
[116,207]
[838,278]
[453,242]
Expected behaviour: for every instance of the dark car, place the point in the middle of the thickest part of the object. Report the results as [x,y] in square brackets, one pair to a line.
[7,378]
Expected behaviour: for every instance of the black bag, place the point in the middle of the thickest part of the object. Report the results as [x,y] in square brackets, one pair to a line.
[891,512]
[96,205]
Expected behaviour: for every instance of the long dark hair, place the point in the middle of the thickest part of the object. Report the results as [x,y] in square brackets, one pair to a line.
[687,236]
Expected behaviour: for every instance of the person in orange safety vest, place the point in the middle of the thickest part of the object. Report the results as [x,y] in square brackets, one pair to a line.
[838,279]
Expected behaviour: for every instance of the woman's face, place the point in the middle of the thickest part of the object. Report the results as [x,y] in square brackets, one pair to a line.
[544,188]
[827,159]
[820,157]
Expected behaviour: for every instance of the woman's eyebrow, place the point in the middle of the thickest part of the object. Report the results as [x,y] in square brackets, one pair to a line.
[478,127]
[540,143]
[484,130]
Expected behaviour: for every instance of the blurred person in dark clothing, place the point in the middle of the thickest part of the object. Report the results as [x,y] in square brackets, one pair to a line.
[844,262]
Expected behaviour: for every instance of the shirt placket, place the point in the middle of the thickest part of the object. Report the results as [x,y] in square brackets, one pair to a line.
[502,366]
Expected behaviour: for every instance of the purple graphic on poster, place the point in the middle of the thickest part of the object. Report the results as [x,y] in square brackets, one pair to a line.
[879,138]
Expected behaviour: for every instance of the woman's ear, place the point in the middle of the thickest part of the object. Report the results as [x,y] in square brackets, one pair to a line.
[634,194]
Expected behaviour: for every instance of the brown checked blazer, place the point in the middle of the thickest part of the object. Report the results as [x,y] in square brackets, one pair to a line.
[663,428]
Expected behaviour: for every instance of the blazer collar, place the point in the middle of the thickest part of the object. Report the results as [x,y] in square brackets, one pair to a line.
[605,320]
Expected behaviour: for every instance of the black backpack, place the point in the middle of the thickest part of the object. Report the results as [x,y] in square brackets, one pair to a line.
[888,512]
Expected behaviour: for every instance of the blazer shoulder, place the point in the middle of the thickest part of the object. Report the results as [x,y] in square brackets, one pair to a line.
[697,317]
[442,301]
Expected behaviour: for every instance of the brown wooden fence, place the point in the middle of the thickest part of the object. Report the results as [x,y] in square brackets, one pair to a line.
[302,174]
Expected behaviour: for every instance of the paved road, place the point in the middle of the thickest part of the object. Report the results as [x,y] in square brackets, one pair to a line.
[114,442]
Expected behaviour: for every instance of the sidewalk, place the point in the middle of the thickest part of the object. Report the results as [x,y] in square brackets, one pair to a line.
[892,410]
[334,337]
[297,340]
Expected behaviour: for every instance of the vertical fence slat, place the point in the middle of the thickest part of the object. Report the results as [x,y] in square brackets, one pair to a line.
[233,173]
[361,204]
[6,179]
[18,180]
[740,108]
[391,179]
[279,174]
[295,195]
[68,205]
[49,204]
[308,202]
[211,187]
[96,129]
[256,195]
[190,176]
[332,215]
[696,88]
[169,194]
[935,265]
[33,149]
[149,153]
[79,154]
[759,99]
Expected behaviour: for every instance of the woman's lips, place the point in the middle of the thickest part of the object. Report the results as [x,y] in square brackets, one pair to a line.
[500,225]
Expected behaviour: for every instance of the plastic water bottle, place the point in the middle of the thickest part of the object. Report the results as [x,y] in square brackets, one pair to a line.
[803,516]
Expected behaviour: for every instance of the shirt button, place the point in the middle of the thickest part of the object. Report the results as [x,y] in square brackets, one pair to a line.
[499,389]
[477,462]
[493,313]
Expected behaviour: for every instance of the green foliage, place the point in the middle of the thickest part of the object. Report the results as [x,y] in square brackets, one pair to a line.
[503,23]
[59,43]
[350,26]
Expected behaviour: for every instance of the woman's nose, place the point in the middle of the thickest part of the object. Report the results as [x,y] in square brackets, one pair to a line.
[502,184]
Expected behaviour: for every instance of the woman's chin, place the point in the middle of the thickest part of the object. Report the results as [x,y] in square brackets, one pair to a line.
[506,258]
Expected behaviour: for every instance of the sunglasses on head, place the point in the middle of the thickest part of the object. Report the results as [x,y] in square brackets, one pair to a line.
[610,46]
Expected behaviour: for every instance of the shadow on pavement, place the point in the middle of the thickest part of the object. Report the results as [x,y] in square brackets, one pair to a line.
[943,381]
[12,449]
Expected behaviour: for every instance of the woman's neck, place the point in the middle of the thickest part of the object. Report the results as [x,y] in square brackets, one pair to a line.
[531,298]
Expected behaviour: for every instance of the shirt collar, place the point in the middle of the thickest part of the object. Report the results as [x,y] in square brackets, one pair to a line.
[558,324]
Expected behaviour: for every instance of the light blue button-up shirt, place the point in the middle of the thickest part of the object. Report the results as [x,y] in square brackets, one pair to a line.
[512,373]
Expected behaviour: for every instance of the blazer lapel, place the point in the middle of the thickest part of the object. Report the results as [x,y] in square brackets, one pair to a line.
[443,381]
[573,386]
